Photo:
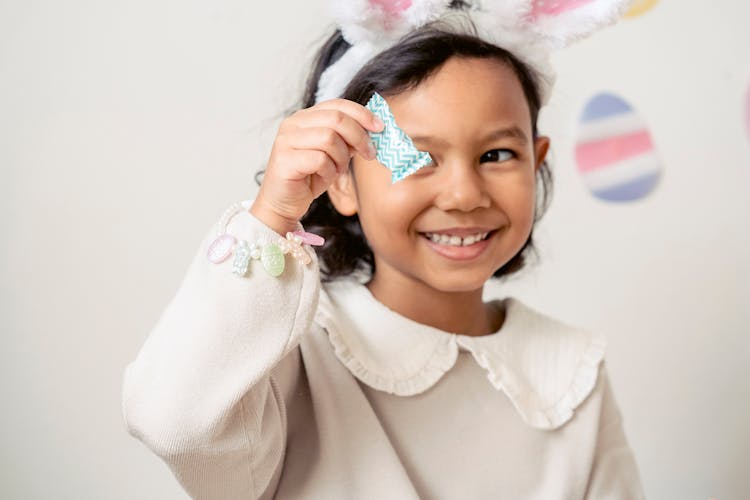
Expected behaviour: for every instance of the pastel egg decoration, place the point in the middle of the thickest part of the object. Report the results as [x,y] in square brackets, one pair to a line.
[615,153]
[273,259]
[221,248]
[639,7]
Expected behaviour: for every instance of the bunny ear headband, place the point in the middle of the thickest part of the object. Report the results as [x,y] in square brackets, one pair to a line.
[529,29]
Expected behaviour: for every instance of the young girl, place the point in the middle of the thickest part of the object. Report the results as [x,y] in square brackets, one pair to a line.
[392,378]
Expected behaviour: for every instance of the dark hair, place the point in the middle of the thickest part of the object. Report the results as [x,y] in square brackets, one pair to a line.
[402,67]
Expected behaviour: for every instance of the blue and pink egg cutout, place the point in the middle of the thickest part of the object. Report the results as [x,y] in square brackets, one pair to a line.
[615,153]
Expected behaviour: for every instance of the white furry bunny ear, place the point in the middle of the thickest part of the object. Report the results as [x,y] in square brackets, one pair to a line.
[563,21]
[374,21]
[370,26]
[530,29]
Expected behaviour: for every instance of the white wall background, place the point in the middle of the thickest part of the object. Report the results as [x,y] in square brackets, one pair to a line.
[127,127]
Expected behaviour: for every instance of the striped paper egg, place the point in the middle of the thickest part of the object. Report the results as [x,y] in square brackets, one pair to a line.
[639,7]
[615,153]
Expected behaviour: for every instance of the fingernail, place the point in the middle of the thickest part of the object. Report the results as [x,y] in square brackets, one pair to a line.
[371,152]
[379,123]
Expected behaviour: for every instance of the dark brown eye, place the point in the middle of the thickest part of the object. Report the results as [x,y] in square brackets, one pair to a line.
[497,155]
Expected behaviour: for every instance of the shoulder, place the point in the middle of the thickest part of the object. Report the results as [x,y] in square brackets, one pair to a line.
[546,366]
[545,338]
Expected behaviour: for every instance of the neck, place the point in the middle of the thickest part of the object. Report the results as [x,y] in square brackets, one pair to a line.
[457,312]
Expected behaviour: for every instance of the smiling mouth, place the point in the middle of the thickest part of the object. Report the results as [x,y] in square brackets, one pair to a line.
[457,241]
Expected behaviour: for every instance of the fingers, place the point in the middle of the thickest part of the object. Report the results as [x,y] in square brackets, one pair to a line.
[312,147]
[348,119]
[312,162]
[361,114]
[318,168]
[326,140]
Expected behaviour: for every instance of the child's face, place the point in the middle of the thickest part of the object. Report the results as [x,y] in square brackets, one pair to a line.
[473,119]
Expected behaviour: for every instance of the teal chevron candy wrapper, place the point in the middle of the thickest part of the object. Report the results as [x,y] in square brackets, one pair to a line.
[394,148]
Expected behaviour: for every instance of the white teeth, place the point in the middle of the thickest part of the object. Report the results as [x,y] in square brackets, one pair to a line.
[457,241]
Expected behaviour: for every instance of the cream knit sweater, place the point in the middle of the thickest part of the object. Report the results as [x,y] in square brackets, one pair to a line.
[261,387]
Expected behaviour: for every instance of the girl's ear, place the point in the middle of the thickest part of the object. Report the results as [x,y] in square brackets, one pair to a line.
[343,194]
[541,147]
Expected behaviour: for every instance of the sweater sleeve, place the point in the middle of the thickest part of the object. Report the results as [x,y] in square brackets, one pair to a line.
[614,475]
[201,392]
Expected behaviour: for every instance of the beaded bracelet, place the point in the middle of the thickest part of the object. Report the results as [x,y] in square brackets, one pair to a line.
[271,255]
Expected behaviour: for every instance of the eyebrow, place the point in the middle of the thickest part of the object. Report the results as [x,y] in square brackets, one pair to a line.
[513,132]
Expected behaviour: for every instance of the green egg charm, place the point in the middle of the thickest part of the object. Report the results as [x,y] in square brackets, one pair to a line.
[272,259]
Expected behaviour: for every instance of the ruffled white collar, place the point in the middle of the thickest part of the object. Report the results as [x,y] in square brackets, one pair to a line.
[545,367]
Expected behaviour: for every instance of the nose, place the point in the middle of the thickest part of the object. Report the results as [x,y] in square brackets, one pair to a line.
[462,187]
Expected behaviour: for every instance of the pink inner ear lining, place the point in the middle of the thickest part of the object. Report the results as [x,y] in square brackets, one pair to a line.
[392,8]
[555,7]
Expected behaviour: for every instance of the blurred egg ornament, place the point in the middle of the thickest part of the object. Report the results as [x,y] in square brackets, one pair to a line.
[614,152]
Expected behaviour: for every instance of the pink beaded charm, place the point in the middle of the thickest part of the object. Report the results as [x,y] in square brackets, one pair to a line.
[293,245]
[310,238]
[221,248]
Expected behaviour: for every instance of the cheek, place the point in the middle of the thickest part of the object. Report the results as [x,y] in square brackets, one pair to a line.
[391,212]
[405,198]
[527,202]
[517,197]
[390,204]
[526,190]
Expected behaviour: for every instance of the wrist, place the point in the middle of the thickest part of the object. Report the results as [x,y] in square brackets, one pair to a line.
[270,218]
[252,242]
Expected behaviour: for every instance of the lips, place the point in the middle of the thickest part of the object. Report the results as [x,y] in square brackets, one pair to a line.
[460,243]
[459,248]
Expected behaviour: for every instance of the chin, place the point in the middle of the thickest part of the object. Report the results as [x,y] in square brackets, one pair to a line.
[458,283]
